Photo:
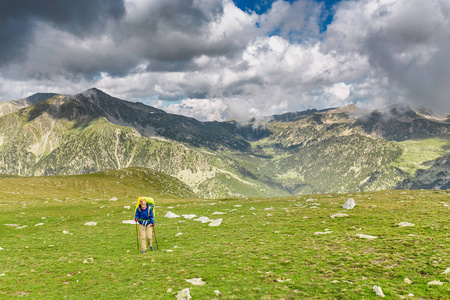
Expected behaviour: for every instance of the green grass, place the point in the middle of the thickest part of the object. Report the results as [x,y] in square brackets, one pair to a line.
[417,152]
[269,252]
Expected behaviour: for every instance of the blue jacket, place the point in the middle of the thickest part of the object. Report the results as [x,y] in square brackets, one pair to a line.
[145,216]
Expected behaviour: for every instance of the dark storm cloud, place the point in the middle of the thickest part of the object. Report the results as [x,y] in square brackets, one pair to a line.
[18,20]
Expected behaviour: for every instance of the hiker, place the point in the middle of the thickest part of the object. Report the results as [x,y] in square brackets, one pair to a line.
[144,215]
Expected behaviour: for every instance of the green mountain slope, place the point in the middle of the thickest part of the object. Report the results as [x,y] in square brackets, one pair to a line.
[332,150]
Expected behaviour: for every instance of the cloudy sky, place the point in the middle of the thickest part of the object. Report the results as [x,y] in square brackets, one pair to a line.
[220,59]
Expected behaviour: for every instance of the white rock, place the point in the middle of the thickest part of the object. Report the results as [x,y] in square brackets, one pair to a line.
[217,292]
[446,271]
[12,225]
[252,208]
[3,274]
[435,282]
[378,291]
[178,234]
[349,204]
[238,205]
[113,199]
[39,224]
[405,224]
[127,207]
[1,248]
[170,250]
[203,219]
[22,227]
[171,215]
[90,223]
[65,232]
[196,281]
[338,215]
[184,295]
[128,222]
[218,213]
[215,222]
[188,217]
[366,236]
[324,232]
[407,280]
[283,280]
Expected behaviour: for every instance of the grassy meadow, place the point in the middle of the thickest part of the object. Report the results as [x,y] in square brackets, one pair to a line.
[265,248]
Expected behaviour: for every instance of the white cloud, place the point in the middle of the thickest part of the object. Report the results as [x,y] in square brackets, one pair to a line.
[219,62]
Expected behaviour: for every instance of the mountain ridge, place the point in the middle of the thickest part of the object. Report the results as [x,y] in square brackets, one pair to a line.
[316,151]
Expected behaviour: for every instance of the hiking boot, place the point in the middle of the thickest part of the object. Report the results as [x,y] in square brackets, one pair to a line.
[143,251]
[151,248]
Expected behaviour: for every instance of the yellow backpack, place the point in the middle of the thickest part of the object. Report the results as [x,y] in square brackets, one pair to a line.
[150,202]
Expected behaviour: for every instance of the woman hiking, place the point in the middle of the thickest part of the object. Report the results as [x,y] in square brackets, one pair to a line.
[144,215]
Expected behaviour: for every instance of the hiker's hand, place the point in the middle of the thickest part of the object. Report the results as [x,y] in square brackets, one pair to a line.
[135,219]
[153,224]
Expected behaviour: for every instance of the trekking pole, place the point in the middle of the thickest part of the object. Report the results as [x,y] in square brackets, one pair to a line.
[154,233]
[137,238]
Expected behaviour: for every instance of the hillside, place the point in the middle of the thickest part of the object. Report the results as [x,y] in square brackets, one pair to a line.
[299,247]
[331,150]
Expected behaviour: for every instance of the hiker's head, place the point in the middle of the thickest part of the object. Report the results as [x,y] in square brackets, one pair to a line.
[143,202]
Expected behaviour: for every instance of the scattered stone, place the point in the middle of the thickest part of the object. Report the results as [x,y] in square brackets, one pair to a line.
[169,250]
[435,282]
[188,217]
[39,224]
[3,274]
[366,236]
[171,215]
[1,248]
[178,234]
[407,280]
[22,227]
[252,208]
[184,294]
[238,205]
[338,215]
[405,224]
[127,207]
[196,281]
[12,225]
[215,222]
[128,222]
[65,232]
[378,291]
[350,204]
[169,290]
[446,271]
[283,280]
[217,292]
[203,219]
[218,213]
[90,223]
[324,232]
[87,260]
[113,199]
[335,281]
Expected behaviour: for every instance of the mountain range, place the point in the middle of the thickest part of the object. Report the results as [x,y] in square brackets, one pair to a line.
[315,151]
